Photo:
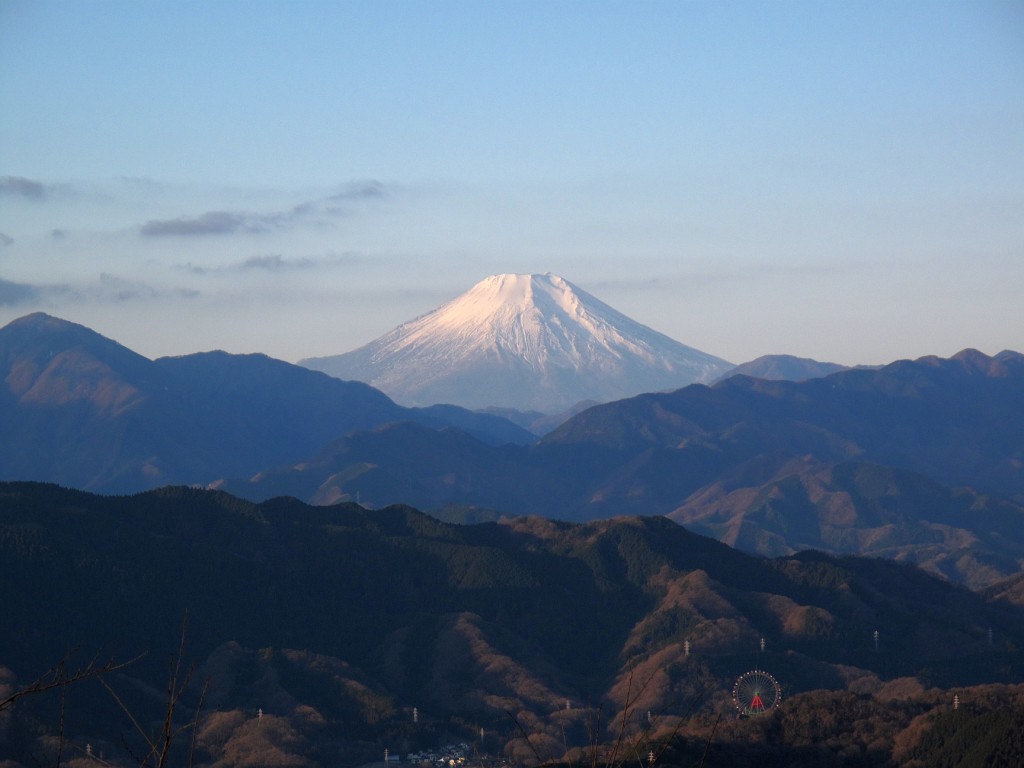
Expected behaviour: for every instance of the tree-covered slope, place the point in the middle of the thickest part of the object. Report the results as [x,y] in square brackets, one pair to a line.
[391,609]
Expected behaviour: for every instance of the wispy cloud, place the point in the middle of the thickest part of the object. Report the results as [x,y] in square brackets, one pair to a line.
[362,190]
[12,294]
[19,186]
[6,239]
[724,274]
[210,223]
[30,189]
[227,222]
[107,289]
[274,262]
[113,289]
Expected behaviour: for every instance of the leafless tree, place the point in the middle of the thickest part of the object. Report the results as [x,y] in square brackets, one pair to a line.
[62,675]
[158,746]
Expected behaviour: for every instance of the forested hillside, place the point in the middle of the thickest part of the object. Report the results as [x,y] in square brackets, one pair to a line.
[341,620]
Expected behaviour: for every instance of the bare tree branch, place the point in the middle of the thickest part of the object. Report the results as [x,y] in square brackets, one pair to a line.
[58,676]
[195,723]
[177,686]
[135,723]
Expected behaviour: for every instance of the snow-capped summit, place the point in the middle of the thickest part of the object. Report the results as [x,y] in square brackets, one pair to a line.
[530,342]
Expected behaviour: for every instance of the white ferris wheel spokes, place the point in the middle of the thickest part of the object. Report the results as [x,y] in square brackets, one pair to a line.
[756,693]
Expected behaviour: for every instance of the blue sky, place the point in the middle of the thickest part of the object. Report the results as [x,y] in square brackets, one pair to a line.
[843,181]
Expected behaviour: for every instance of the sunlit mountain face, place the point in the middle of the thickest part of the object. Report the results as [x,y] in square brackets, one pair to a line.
[531,342]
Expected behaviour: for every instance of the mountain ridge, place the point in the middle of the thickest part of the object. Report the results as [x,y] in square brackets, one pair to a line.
[80,409]
[338,621]
[956,423]
[783,367]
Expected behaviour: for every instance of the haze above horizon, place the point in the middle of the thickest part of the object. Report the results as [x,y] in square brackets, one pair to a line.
[836,181]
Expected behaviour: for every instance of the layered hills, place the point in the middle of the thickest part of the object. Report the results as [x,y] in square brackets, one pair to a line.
[80,409]
[529,342]
[918,460]
[319,630]
[869,509]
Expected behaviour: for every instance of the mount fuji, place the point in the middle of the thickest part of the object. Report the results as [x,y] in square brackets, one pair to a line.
[528,342]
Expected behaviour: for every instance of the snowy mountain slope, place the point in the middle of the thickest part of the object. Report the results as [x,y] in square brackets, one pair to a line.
[522,341]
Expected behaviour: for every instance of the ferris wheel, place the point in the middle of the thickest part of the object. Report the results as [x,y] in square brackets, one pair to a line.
[756,693]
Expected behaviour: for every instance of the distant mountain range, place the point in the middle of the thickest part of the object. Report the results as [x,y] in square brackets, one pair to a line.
[529,342]
[318,630]
[81,410]
[322,629]
[918,460]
